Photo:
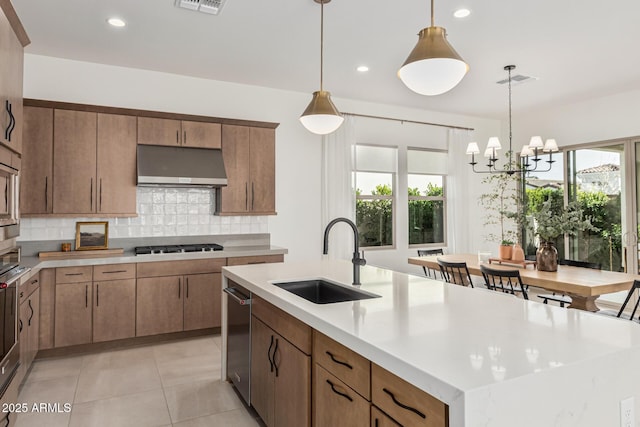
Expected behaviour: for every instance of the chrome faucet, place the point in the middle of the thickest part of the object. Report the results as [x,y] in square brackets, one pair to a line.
[357,260]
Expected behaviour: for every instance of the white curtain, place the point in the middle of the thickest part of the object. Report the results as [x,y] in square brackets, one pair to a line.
[338,196]
[458,230]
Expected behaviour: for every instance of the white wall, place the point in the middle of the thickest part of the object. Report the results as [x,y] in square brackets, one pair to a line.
[297,225]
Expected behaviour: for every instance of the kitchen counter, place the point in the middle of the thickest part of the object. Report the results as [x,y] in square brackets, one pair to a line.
[496,360]
[36,264]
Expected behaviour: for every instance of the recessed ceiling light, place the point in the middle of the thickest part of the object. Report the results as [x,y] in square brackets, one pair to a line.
[116,22]
[462,13]
[363,68]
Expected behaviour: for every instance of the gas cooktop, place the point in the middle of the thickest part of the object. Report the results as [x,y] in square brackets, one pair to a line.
[173,249]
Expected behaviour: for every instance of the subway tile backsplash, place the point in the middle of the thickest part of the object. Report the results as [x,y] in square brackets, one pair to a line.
[161,212]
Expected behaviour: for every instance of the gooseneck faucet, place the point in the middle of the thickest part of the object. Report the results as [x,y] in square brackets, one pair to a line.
[357,260]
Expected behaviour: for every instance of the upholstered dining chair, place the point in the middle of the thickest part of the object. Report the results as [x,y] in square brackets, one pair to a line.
[564,299]
[426,252]
[620,313]
[503,280]
[455,272]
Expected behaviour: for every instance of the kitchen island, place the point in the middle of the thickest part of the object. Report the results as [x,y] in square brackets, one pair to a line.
[494,359]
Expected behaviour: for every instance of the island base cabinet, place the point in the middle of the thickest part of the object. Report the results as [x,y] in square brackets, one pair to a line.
[202,301]
[280,379]
[335,404]
[159,305]
[114,310]
[405,403]
[73,314]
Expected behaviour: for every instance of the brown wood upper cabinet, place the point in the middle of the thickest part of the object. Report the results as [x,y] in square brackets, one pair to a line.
[36,178]
[155,131]
[249,160]
[11,75]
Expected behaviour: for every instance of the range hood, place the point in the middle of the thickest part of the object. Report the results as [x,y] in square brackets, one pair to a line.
[180,166]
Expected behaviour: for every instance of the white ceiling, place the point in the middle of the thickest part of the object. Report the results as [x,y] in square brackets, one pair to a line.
[579,49]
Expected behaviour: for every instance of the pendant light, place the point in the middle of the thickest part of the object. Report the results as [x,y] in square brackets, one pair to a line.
[433,66]
[321,116]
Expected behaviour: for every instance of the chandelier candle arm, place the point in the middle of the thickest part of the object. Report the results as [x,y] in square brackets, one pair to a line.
[528,151]
[321,116]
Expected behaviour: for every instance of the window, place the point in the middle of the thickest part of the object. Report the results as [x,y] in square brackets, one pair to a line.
[426,175]
[374,183]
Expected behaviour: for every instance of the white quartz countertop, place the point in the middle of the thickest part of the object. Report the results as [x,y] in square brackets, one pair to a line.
[470,347]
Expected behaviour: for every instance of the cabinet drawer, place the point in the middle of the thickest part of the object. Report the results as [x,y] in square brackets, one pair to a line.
[293,330]
[335,404]
[74,274]
[114,272]
[178,268]
[342,362]
[28,287]
[263,259]
[404,402]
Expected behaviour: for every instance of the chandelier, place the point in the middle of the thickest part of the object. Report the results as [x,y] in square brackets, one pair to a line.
[528,159]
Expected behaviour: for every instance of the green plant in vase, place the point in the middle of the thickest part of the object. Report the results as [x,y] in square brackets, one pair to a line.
[549,226]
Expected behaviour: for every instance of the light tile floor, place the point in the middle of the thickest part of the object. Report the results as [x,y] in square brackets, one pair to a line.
[169,384]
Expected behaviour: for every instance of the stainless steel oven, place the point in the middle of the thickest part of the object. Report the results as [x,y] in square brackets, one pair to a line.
[9,203]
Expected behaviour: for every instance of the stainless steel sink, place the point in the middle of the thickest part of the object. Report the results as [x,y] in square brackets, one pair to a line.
[320,291]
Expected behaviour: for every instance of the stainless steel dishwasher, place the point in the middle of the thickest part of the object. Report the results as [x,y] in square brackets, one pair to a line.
[239,338]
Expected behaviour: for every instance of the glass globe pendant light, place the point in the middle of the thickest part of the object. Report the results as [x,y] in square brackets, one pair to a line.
[433,66]
[321,115]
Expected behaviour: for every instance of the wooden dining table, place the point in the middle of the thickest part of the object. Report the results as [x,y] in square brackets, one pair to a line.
[583,285]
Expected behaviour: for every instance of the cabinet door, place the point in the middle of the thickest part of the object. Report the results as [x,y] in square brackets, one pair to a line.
[23,338]
[201,134]
[234,198]
[380,419]
[152,131]
[73,314]
[116,173]
[262,165]
[114,310]
[262,370]
[202,301]
[292,385]
[74,162]
[33,323]
[336,404]
[159,306]
[15,76]
[36,176]
[47,307]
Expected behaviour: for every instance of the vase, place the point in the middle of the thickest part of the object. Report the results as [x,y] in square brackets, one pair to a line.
[547,257]
[505,251]
[518,253]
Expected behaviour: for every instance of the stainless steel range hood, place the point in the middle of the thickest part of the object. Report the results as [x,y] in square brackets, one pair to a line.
[180,166]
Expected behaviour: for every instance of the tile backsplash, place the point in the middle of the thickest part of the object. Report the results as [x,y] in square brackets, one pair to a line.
[161,212]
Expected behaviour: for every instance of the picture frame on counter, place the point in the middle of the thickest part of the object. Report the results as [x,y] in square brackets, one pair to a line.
[92,235]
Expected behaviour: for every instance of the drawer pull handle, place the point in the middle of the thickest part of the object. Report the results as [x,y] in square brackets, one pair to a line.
[34,282]
[115,271]
[333,389]
[73,274]
[408,408]
[275,364]
[338,361]
[269,353]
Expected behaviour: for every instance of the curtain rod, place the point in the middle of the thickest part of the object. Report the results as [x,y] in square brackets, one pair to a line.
[407,121]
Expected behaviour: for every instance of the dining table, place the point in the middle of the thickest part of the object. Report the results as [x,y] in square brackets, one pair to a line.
[583,285]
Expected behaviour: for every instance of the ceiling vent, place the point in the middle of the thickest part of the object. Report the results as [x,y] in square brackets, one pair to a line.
[518,79]
[212,7]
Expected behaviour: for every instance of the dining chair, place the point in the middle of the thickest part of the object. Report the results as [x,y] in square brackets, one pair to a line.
[426,252]
[561,298]
[620,313]
[455,272]
[508,281]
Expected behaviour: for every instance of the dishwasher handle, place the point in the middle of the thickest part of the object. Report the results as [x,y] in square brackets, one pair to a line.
[237,296]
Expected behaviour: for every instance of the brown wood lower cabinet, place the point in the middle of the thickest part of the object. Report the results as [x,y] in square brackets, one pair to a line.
[280,377]
[336,404]
[380,419]
[73,313]
[159,305]
[114,309]
[202,291]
